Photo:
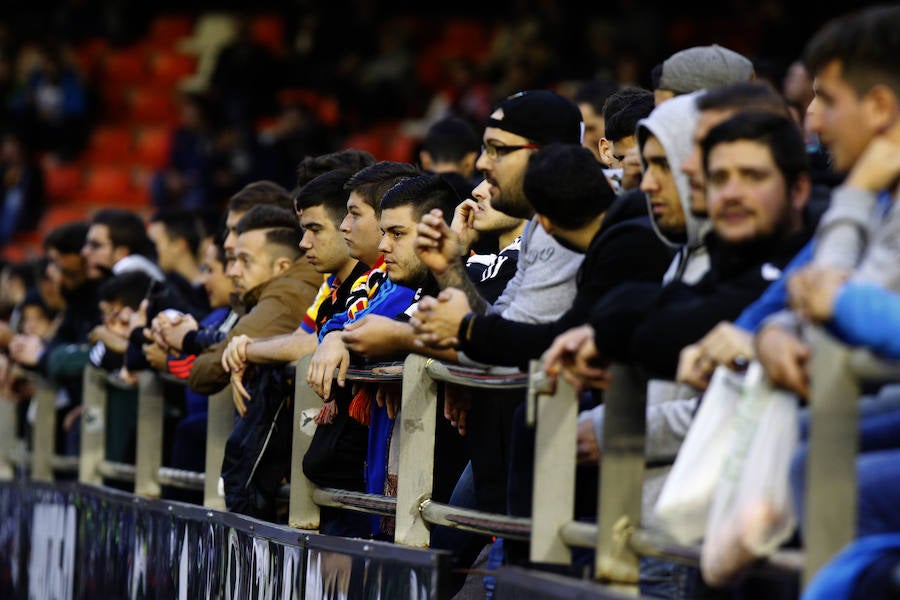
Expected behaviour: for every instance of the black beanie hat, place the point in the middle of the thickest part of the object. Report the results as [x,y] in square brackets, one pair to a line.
[539,115]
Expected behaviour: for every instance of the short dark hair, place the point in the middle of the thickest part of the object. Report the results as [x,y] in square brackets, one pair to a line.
[372,182]
[595,92]
[129,288]
[180,224]
[423,193]
[327,190]
[350,158]
[865,42]
[126,229]
[566,184]
[451,139]
[744,95]
[280,224]
[260,192]
[624,109]
[67,238]
[780,134]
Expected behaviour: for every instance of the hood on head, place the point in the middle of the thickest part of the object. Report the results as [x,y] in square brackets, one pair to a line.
[673,123]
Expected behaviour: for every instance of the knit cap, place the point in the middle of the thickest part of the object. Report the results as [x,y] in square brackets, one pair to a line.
[539,115]
[703,67]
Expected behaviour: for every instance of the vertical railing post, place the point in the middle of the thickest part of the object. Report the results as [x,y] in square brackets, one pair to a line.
[553,491]
[43,436]
[830,514]
[621,475]
[219,423]
[93,425]
[302,511]
[416,469]
[148,458]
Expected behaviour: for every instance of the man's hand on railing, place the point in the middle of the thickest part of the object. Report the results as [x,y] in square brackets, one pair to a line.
[812,291]
[173,333]
[574,355]
[375,336]
[111,339]
[331,354]
[436,244]
[234,357]
[388,396]
[26,349]
[457,402]
[239,394]
[726,344]
[71,417]
[157,357]
[436,322]
[784,358]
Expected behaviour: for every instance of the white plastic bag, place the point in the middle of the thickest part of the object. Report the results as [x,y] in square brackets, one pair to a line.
[752,513]
[683,506]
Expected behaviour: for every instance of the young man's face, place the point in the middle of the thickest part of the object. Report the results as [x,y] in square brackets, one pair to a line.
[693,164]
[658,182]
[253,264]
[217,284]
[747,193]
[66,270]
[839,117]
[398,245]
[98,252]
[325,248]
[506,172]
[594,128]
[487,219]
[361,230]
[231,232]
[166,251]
[35,321]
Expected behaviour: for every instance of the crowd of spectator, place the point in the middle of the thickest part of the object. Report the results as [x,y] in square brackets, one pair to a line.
[676,213]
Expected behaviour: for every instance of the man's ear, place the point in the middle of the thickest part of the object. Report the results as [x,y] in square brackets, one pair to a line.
[882,107]
[426,160]
[606,152]
[282,264]
[120,252]
[546,223]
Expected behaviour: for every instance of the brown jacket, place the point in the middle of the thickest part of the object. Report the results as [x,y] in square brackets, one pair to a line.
[273,308]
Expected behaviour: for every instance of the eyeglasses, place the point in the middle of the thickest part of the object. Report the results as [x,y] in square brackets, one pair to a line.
[495,152]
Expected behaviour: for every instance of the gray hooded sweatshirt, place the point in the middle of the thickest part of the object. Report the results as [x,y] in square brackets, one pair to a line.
[673,123]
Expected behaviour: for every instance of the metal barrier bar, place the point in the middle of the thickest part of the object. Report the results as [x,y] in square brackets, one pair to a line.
[116,470]
[43,436]
[148,459]
[191,480]
[553,492]
[303,512]
[416,468]
[358,501]
[436,513]
[93,425]
[64,464]
[621,474]
[220,416]
[830,513]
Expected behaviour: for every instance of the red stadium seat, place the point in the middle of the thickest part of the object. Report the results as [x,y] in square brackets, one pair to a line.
[61,182]
[168,67]
[112,144]
[152,146]
[150,105]
[108,186]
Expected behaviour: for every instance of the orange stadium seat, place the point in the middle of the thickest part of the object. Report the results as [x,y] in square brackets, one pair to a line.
[61,182]
[152,146]
[168,67]
[108,186]
[150,105]
[127,65]
[268,30]
[110,144]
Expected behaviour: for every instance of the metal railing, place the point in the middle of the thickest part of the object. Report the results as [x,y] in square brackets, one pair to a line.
[553,409]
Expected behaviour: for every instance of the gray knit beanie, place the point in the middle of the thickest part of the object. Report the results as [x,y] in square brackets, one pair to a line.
[703,67]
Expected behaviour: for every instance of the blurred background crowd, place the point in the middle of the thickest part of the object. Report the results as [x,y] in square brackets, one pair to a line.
[165,104]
